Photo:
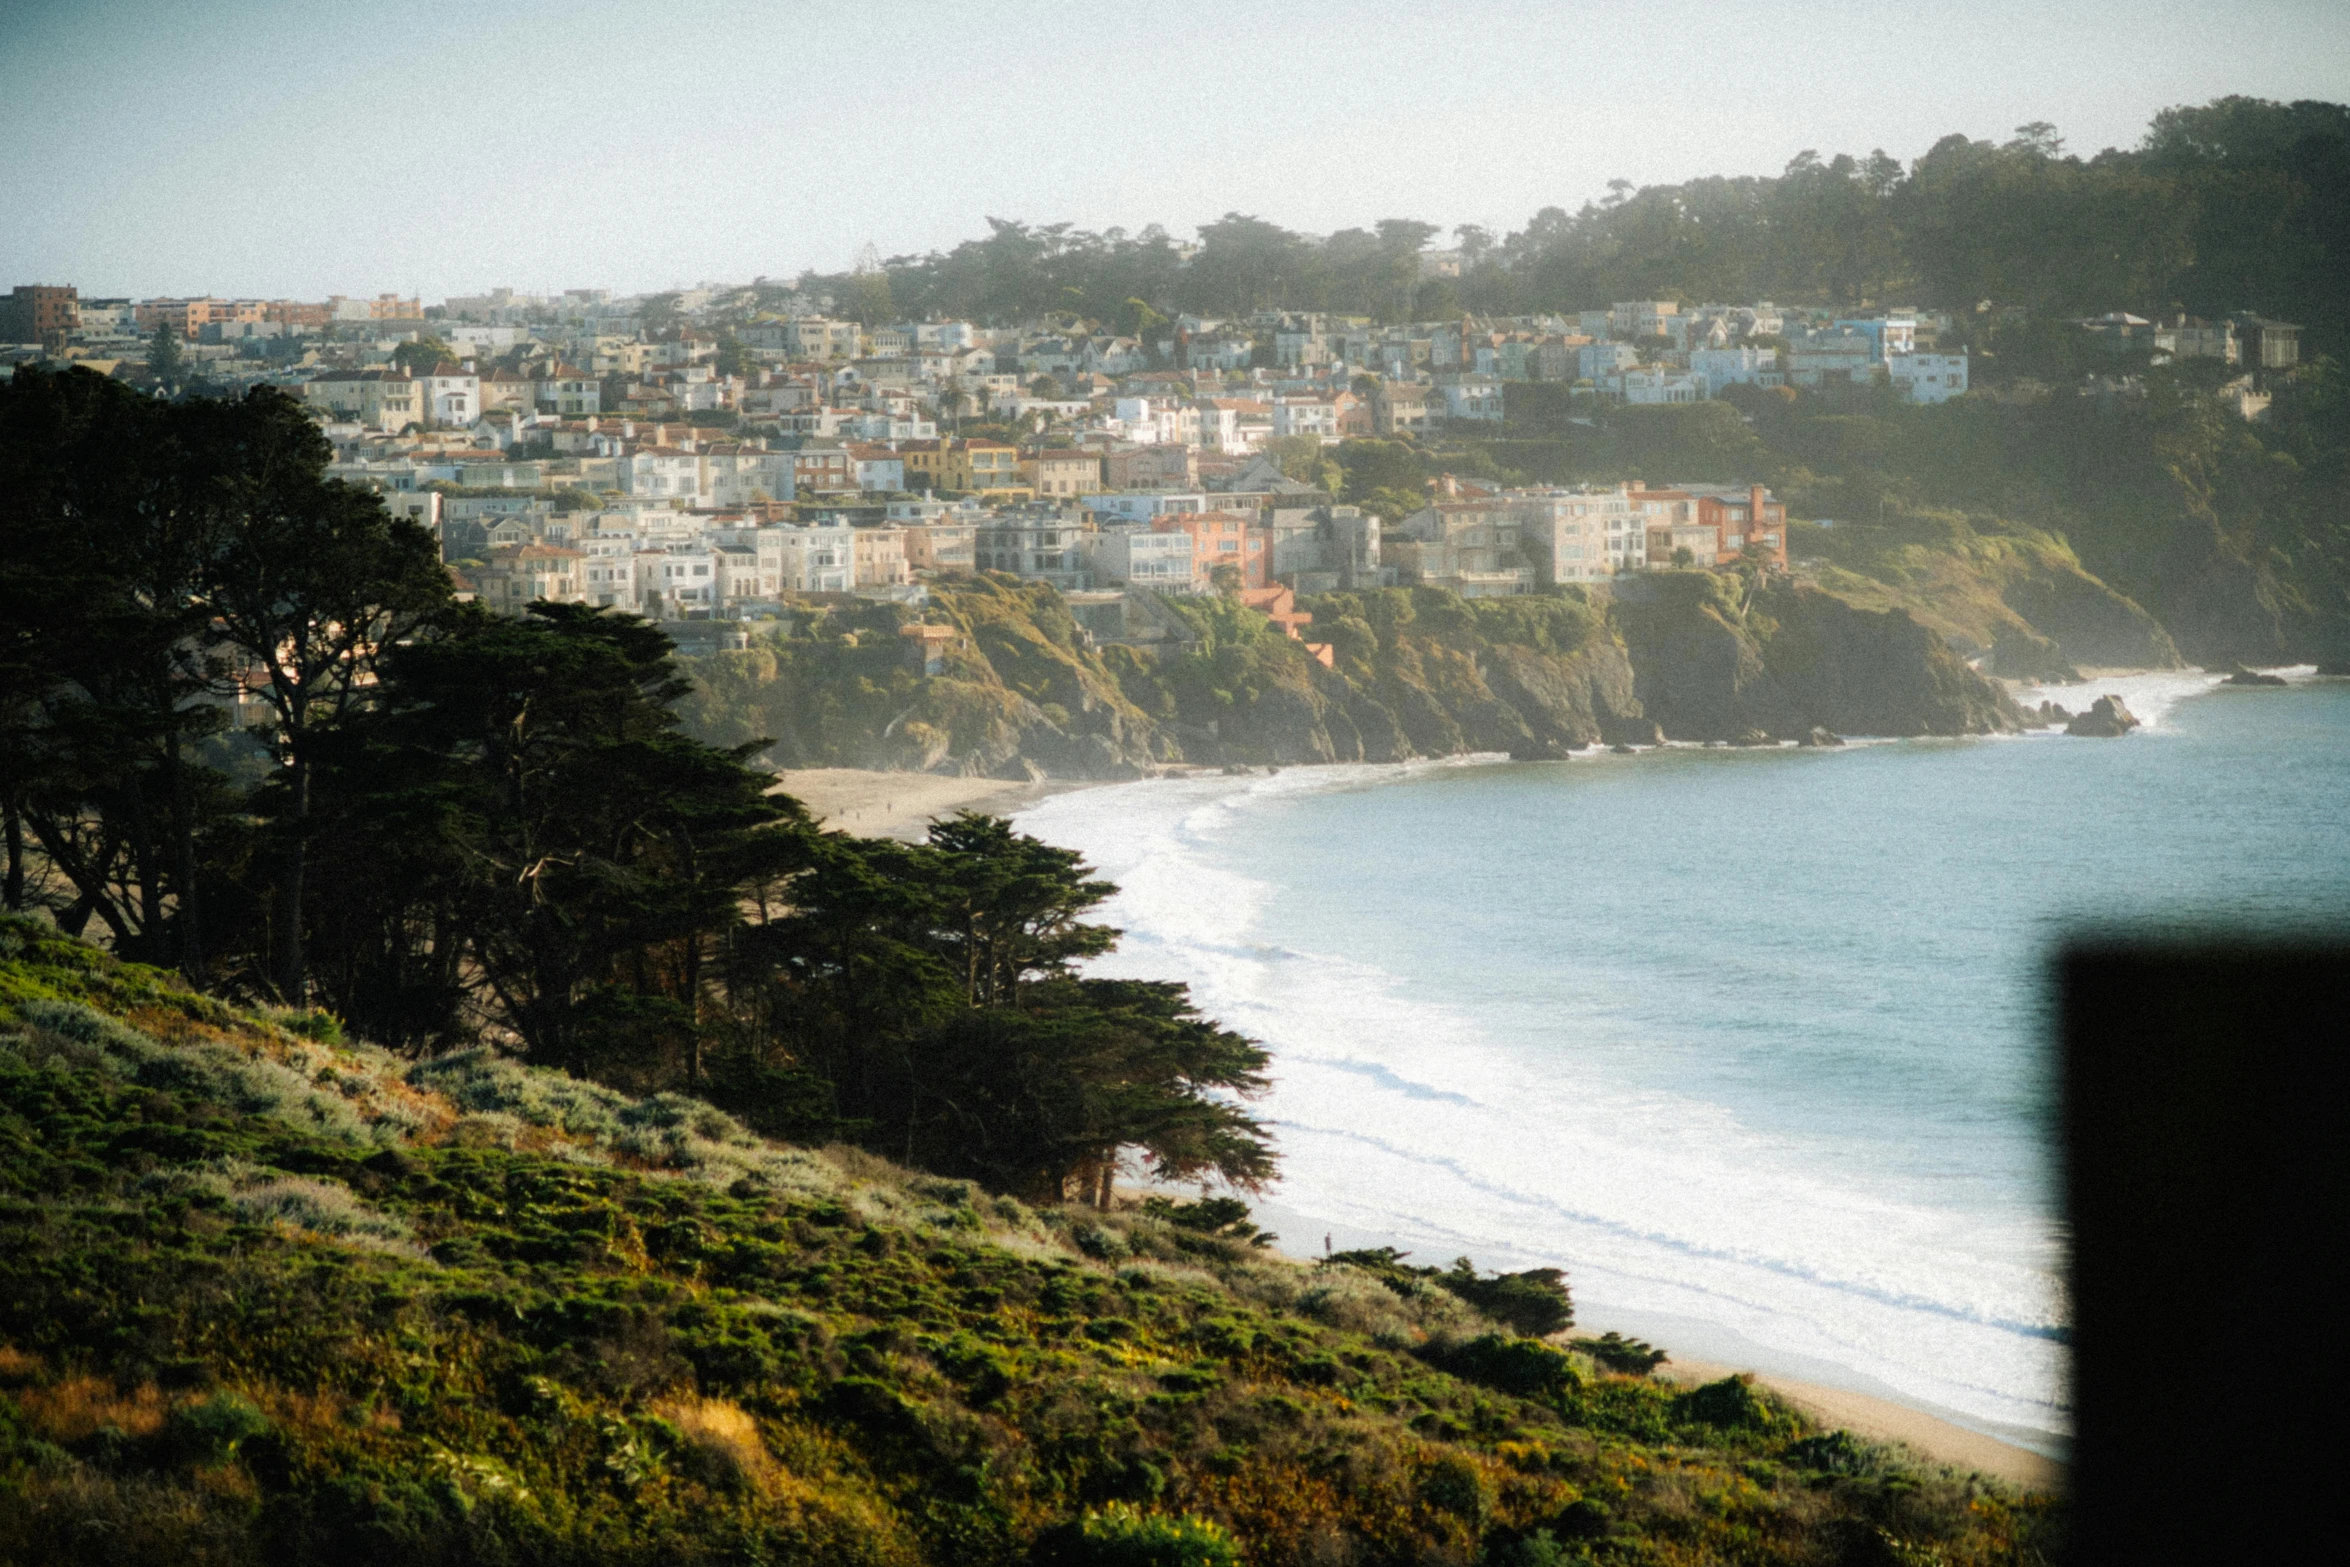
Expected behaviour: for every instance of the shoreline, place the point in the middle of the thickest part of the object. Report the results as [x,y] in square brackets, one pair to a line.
[874,804]
[901,805]
[1881,1419]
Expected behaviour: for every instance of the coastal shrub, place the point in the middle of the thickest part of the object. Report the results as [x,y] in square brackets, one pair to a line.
[308,1022]
[211,1429]
[1453,1484]
[1834,1453]
[1526,1367]
[322,1207]
[1538,1548]
[1356,1305]
[609,1362]
[250,1084]
[1731,1404]
[482,1080]
[1626,1356]
[1121,1535]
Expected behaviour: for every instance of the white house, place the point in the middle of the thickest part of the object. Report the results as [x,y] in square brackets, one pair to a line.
[1928,378]
[665,473]
[673,583]
[379,399]
[1473,397]
[1656,384]
[878,469]
[452,395]
[1580,535]
[1144,558]
[569,393]
[1314,416]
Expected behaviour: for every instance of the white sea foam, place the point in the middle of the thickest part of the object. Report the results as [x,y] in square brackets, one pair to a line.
[1408,1118]
[2151,697]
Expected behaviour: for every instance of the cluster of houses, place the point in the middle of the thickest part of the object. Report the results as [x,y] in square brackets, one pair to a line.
[716,453]
[712,454]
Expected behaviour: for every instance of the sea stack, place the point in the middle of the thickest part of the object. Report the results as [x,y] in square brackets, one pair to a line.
[2106,719]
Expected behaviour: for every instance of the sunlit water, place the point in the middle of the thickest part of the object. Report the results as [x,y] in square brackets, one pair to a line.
[1753,1042]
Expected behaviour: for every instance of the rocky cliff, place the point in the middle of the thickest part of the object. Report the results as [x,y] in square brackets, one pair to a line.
[2019,601]
[1015,688]
[1720,658]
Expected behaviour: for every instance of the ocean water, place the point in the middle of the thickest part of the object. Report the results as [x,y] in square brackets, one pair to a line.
[1753,1043]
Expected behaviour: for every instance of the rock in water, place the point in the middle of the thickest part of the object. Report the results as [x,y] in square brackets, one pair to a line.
[2253,677]
[2107,719]
[1618,732]
[1821,737]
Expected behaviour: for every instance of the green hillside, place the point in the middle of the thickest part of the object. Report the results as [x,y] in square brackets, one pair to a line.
[270,1295]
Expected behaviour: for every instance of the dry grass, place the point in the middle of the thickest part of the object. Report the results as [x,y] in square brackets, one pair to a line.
[18,1367]
[724,1439]
[79,1407]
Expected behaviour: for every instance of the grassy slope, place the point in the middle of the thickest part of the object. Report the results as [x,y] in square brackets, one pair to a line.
[2020,596]
[271,1297]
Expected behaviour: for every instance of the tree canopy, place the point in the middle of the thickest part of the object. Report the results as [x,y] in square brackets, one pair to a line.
[247,733]
[2241,203]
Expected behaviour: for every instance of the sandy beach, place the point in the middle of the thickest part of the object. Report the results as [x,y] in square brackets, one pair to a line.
[1882,1420]
[903,805]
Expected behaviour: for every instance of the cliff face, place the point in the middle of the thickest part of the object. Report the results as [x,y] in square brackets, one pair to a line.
[1419,672]
[1434,700]
[1015,693]
[1415,673]
[2021,598]
[1875,672]
[1717,661]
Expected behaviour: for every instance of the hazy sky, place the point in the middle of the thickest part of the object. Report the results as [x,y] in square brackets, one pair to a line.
[277,148]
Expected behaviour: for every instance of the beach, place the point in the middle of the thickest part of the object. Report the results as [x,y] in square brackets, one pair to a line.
[903,805]
[1883,1420]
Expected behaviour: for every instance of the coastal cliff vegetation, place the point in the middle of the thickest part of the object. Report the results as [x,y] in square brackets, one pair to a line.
[2098,526]
[271,1294]
[1413,672]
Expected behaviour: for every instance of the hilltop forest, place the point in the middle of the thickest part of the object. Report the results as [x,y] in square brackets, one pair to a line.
[2236,204]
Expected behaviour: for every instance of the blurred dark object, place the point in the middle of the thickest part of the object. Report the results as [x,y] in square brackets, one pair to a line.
[2205,1129]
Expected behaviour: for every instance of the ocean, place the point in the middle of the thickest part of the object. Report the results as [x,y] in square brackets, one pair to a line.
[1754,1044]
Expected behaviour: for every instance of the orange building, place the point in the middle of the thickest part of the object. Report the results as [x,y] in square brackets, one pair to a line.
[1744,520]
[1279,605]
[1223,538]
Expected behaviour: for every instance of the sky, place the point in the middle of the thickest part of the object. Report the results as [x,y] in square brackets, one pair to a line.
[297,148]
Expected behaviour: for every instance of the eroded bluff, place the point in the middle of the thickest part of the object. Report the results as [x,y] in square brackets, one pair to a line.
[1023,691]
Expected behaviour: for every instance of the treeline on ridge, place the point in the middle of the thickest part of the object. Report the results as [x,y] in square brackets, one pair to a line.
[2236,204]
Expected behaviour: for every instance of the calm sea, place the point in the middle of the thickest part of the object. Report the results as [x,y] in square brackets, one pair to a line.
[1754,1043]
